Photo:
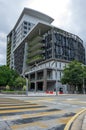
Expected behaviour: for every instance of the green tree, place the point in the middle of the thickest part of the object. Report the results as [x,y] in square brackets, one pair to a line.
[7,76]
[20,82]
[13,76]
[73,75]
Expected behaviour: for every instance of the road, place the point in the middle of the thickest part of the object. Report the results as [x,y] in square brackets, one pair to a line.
[38,113]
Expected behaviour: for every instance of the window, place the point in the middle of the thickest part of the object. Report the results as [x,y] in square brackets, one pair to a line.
[59,64]
[25,22]
[60,75]
[29,24]
[25,32]
[56,64]
[28,28]
[25,27]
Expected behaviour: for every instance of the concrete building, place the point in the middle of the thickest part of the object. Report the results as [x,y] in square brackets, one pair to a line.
[40,51]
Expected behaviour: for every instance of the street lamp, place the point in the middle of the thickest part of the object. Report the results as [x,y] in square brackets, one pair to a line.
[83,82]
[83,86]
[56,77]
[26,86]
[26,78]
[36,65]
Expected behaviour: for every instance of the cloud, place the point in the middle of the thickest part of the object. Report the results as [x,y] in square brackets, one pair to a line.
[69,15]
[9,13]
[77,19]
[2,59]
[57,9]
[2,48]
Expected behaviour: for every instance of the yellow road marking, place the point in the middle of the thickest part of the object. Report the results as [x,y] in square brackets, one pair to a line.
[5,104]
[38,123]
[65,120]
[72,119]
[39,100]
[21,110]
[41,114]
[25,106]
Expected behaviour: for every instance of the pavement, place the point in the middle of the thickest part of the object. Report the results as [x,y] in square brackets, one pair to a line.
[77,122]
[36,94]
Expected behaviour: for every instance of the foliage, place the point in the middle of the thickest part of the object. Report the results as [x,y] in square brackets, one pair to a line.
[7,76]
[7,87]
[20,82]
[11,79]
[24,88]
[73,74]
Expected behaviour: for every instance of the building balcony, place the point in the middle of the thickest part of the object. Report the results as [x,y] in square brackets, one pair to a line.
[36,46]
[35,40]
[35,53]
[36,58]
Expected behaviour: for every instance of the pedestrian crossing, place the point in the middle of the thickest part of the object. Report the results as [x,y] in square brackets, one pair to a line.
[22,115]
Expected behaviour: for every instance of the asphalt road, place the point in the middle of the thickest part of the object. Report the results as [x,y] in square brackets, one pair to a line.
[38,113]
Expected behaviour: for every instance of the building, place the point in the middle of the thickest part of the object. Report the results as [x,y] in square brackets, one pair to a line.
[40,51]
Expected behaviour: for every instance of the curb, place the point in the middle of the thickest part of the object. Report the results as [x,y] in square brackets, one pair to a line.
[67,127]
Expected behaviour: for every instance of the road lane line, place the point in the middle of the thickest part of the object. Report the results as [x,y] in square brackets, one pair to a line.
[24,116]
[22,110]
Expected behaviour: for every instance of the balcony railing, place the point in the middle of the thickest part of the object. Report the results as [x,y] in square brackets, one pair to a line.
[35,40]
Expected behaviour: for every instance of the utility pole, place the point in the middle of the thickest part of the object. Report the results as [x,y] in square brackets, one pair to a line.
[83,86]
[56,70]
[26,86]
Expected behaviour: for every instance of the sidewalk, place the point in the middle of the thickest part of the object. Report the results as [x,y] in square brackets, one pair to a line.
[78,122]
[37,94]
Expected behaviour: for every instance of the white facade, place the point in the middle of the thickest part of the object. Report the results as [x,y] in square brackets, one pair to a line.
[27,20]
[55,68]
[52,64]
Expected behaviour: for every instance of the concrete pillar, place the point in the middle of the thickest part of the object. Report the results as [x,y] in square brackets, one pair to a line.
[45,80]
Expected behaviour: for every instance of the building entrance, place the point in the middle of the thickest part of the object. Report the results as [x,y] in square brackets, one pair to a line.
[32,86]
[40,86]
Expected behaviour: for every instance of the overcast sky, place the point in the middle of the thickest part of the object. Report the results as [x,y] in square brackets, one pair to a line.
[69,15]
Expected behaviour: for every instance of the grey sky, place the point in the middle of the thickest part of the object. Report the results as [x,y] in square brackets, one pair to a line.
[69,15]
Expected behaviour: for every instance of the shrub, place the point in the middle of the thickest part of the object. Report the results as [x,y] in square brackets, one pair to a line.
[7,87]
[24,88]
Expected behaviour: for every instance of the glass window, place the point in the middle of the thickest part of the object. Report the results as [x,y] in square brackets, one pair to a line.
[29,24]
[25,27]
[28,28]
[25,32]
[25,22]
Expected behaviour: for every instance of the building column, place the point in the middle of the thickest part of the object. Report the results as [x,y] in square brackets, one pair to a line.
[44,79]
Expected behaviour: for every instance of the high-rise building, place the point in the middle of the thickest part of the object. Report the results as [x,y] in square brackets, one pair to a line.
[41,51]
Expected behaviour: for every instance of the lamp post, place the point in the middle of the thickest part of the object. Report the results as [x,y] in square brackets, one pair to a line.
[26,86]
[36,65]
[26,78]
[83,87]
[83,81]
[56,70]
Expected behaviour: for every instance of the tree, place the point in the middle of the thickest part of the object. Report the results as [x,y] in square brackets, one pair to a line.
[73,74]
[13,77]
[20,82]
[7,76]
